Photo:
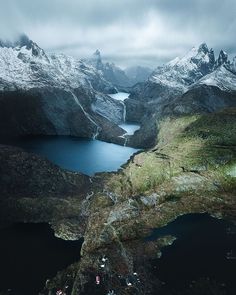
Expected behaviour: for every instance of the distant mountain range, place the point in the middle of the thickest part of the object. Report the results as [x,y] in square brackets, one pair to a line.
[118,77]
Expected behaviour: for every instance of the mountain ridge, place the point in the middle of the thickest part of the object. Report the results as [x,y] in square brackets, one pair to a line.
[197,68]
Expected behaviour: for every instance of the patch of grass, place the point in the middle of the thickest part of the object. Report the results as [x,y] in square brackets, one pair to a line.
[195,143]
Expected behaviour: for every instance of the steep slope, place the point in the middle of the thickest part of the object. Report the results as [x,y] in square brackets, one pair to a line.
[51,94]
[213,92]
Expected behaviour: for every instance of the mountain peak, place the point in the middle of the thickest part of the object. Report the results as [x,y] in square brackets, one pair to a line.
[24,41]
[203,48]
[21,40]
[97,53]
[222,59]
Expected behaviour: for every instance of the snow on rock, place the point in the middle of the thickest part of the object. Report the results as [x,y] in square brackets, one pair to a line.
[22,69]
[182,72]
[221,78]
[109,108]
[64,88]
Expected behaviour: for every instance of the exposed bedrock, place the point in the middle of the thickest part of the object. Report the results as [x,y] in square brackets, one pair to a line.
[51,111]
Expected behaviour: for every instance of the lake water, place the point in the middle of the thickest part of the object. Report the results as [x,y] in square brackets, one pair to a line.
[77,154]
[30,254]
[130,128]
[205,248]
[80,154]
[120,95]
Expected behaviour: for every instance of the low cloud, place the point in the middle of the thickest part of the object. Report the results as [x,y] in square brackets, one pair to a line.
[146,32]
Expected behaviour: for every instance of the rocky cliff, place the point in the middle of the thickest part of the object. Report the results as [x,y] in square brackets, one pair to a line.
[55,94]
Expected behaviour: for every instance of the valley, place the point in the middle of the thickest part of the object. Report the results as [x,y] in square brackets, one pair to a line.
[100,158]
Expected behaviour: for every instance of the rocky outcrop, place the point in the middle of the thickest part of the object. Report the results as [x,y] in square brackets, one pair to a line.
[25,175]
[35,190]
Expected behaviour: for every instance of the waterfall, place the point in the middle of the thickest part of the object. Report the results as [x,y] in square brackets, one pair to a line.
[95,135]
[126,140]
[124,112]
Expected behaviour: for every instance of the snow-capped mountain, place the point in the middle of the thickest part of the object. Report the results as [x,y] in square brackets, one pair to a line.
[53,91]
[182,72]
[198,68]
[25,65]
[110,71]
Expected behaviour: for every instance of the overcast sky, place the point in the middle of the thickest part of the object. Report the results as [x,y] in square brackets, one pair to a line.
[128,32]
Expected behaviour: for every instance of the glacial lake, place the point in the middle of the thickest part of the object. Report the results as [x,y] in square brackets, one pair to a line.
[205,248]
[77,154]
[30,254]
[120,95]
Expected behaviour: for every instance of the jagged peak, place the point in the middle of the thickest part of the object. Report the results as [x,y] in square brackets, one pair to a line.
[97,53]
[223,56]
[203,48]
[23,40]
[97,56]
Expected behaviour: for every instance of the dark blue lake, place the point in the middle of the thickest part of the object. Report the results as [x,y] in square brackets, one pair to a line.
[77,154]
[205,248]
[30,254]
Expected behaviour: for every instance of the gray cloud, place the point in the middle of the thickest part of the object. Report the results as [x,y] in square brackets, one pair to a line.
[147,32]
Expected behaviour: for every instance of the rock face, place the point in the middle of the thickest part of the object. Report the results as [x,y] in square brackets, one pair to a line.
[52,94]
[35,190]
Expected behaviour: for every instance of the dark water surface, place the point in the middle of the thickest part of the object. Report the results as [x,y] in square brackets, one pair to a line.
[30,254]
[205,248]
[77,154]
